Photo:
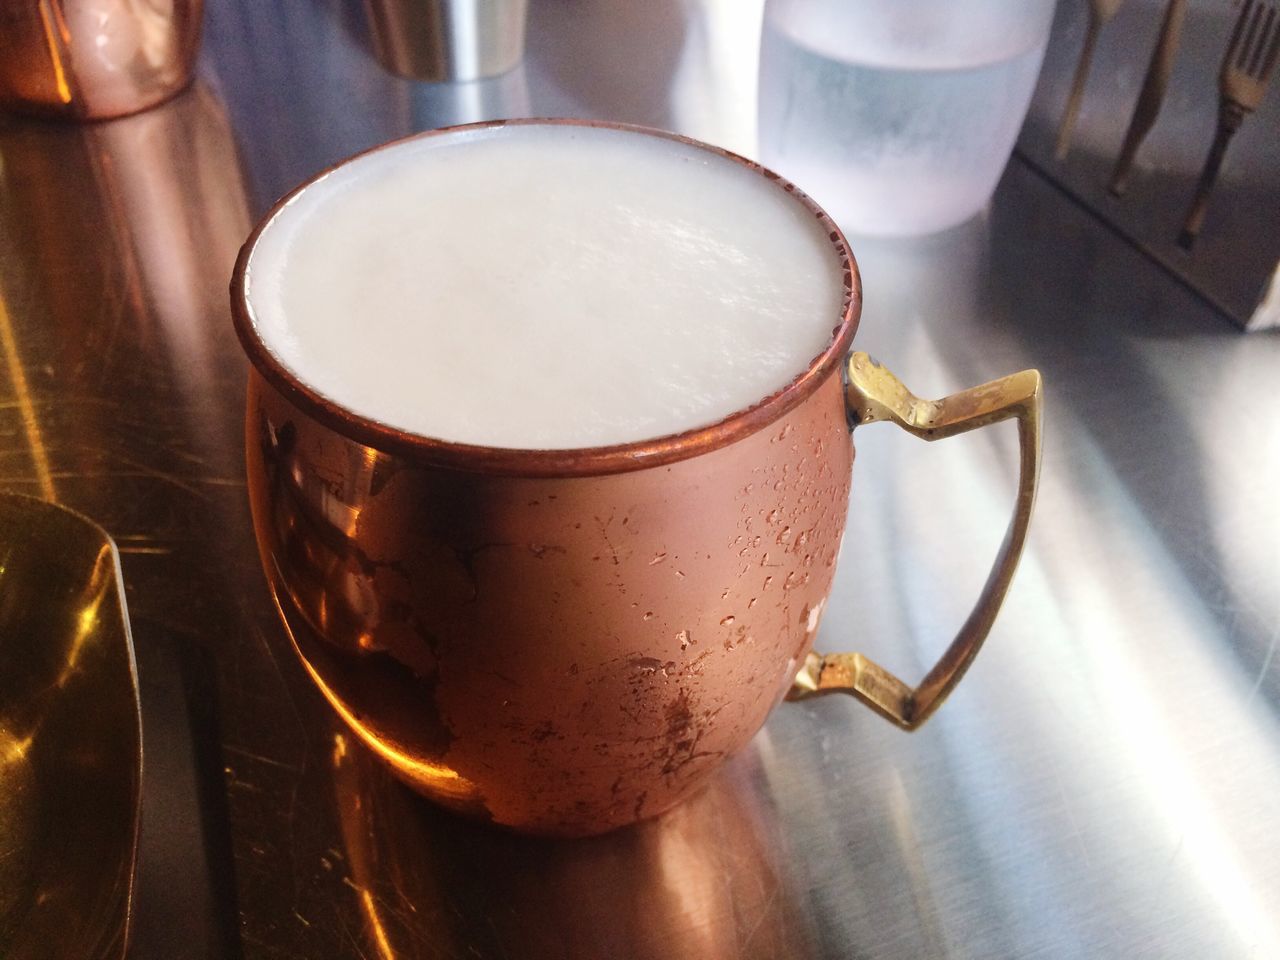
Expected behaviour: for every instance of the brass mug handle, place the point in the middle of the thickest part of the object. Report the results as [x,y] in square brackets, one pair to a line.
[873,393]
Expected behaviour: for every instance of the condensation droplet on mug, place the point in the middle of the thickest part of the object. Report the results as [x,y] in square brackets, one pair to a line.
[648,666]
[784,535]
[657,558]
[648,615]
[767,581]
[737,637]
[680,574]
[773,515]
[794,580]
[726,621]
[751,603]
[685,638]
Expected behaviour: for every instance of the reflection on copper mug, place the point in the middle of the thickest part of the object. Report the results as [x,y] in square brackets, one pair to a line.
[708,881]
[161,193]
[567,641]
[93,59]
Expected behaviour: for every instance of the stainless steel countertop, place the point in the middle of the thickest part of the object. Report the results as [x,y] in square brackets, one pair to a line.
[1104,783]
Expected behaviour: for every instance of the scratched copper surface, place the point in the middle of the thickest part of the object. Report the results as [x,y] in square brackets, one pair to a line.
[1103,783]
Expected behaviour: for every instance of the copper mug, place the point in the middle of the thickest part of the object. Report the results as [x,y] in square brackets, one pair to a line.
[566,641]
[95,59]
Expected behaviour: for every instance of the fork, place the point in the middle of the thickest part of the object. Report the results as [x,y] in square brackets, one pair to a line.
[1246,68]
[1100,12]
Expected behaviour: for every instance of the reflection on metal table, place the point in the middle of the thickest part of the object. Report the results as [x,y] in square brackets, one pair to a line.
[1102,784]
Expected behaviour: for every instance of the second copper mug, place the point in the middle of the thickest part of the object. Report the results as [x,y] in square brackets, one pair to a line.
[95,59]
[567,641]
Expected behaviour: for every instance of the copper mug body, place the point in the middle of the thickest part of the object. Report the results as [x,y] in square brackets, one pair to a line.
[563,642]
[94,59]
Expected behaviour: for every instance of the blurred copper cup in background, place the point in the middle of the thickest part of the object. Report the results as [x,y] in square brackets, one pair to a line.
[94,59]
[455,40]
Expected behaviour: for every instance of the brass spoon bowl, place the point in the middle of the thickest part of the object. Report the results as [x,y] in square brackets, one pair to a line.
[70,738]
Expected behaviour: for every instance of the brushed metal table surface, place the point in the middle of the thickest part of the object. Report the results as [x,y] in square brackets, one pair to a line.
[1105,782]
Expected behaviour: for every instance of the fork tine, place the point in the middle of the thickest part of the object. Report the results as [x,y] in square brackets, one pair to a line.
[1260,48]
[1252,56]
[1269,62]
[1242,46]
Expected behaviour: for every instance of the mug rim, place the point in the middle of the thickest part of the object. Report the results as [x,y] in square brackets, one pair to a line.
[569,461]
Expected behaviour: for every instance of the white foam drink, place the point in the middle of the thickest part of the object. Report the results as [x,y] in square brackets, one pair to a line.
[544,286]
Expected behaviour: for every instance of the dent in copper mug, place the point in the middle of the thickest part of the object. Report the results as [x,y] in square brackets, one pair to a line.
[94,59]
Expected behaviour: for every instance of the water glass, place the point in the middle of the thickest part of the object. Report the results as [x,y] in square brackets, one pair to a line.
[898,118]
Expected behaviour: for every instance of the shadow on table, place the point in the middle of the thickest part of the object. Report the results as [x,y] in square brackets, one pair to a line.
[1163,389]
